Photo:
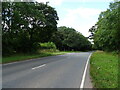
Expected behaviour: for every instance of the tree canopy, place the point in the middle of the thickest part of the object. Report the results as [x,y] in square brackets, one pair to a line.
[24,24]
[69,39]
[106,32]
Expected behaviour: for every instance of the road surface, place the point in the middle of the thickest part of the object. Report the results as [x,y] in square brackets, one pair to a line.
[62,71]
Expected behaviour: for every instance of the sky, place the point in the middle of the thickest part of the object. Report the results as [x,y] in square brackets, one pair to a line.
[78,14]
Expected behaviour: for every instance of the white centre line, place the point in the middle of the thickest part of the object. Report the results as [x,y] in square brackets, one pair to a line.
[39,66]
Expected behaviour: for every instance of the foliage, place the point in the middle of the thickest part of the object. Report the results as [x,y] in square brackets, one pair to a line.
[106,32]
[25,24]
[69,39]
[48,45]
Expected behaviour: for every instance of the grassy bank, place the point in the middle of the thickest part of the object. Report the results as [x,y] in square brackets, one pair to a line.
[104,69]
[41,53]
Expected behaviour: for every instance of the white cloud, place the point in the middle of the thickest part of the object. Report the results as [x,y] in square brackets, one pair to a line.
[52,2]
[88,0]
[84,12]
[42,1]
[56,2]
[59,2]
[82,19]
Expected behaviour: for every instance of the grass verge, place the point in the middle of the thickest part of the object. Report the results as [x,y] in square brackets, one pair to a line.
[104,69]
[41,53]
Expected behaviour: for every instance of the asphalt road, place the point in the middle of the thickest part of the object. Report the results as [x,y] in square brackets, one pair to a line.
[62,71]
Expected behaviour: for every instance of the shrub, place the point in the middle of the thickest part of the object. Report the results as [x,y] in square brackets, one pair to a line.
[48,45]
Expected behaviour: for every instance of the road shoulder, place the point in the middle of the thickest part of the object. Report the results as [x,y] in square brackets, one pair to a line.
[88,81]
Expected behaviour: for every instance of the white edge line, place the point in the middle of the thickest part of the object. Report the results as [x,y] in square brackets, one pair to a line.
[84,74]
[18,62]
[24,60]
[39,66]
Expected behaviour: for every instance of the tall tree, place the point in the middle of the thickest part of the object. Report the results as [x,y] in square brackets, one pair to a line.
[106,35]
[25,24]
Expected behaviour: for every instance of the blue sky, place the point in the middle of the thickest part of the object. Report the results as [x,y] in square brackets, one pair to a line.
[78,14]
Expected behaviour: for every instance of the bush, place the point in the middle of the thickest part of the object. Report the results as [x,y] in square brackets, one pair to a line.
[48,45]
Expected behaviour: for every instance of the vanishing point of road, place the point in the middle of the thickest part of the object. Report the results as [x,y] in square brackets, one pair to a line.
[61,71]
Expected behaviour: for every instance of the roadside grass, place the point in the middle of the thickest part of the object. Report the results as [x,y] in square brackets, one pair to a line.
[104,69]
[41,53]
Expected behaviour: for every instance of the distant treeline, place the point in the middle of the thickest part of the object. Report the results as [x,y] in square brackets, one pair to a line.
[106,32]
[27,24]
[69,39]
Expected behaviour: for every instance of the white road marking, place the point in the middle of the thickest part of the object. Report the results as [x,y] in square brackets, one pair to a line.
[18,62]
[84,74]
[28,60]
[39,66]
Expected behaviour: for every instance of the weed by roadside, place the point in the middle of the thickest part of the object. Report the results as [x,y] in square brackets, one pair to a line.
[104,69]
[41,53]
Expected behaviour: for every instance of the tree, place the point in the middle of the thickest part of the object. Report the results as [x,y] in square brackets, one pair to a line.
[106,35]
[25,24]
[69,39]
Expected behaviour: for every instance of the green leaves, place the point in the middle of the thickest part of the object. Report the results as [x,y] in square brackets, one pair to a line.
[25,24]
[106,35]
[69,39]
